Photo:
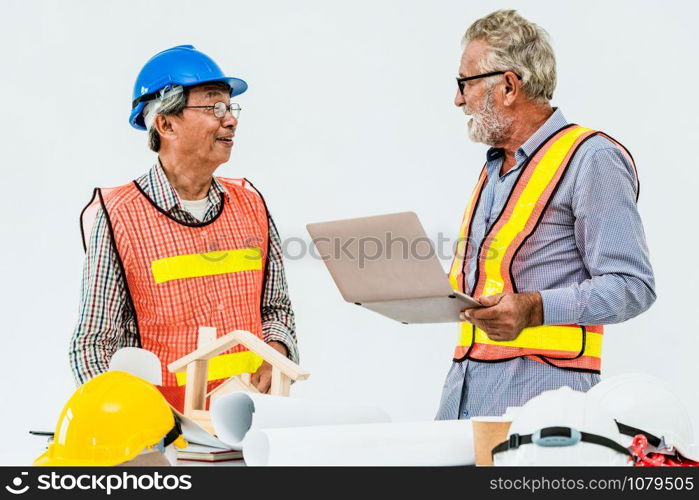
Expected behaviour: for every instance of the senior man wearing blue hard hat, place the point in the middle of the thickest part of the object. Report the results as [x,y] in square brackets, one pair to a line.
[178,248]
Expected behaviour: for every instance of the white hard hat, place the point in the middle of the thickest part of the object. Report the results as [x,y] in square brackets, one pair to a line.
[139,362]
[560,428]
[644,404]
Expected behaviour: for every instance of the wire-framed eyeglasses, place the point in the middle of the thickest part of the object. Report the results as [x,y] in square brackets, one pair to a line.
[220,109]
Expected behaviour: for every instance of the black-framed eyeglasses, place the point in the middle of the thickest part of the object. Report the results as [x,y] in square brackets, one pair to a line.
[461,81]
[220,109]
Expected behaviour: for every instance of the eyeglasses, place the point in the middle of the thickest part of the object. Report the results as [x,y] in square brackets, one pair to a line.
[461,81]
[220,109]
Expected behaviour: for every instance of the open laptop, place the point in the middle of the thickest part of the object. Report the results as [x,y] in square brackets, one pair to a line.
[387,264]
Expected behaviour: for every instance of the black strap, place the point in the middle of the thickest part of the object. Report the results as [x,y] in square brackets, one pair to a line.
[269,238]
[513,442]
[41,433]
[174,433]
[627,430]
[516,440]
[604,441]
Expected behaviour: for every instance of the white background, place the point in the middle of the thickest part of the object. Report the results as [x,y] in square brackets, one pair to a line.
[349,113]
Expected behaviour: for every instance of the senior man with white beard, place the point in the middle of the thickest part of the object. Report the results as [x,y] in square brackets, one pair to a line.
[551,242]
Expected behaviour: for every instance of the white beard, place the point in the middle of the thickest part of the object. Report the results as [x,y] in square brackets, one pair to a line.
[486,125]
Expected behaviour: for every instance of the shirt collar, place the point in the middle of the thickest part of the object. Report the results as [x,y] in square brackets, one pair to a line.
[554,122]
[166,197]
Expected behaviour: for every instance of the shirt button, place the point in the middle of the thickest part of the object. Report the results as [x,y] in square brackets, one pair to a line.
[220,307]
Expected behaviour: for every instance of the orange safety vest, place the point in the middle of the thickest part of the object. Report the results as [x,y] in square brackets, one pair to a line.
[181,276]
[573,347]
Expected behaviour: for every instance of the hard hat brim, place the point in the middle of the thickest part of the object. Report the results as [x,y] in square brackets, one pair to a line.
[46,460]
[237,86]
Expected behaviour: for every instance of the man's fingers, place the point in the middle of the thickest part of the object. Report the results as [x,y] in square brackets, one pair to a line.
[495,336]
[264,381]
[494,330]
[484,325]
[490,300]
[262,378]
[267,385]
[473,315]
[489,311]
[486,313]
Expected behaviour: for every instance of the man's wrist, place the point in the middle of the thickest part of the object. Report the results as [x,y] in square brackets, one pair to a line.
[279,346]
[536,309]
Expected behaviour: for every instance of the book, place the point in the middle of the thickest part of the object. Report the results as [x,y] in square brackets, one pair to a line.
[200,453]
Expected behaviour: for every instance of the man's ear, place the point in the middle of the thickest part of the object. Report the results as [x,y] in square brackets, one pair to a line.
[511,88]
[163,124]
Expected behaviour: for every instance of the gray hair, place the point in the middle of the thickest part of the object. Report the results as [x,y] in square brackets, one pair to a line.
[517,45]
[172,104]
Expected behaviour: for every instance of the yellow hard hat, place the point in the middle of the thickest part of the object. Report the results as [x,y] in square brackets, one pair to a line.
[110,419]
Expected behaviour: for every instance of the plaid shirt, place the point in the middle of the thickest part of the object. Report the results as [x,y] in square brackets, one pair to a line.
[107,323]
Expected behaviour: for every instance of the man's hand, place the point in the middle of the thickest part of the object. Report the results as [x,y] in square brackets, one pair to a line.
[505,315]
[262,378]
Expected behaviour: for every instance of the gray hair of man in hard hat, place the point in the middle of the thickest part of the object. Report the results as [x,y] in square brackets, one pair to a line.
[173,104]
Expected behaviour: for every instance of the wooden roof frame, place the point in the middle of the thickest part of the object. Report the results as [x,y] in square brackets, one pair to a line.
[196,365]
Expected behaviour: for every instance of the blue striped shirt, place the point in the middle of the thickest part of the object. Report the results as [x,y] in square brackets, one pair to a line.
[588,259]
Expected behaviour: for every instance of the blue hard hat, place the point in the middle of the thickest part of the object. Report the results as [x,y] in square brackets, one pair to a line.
[182,65]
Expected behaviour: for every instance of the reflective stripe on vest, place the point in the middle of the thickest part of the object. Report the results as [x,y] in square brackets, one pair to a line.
[566,346]
[459,267]
[194,265]
[181,276]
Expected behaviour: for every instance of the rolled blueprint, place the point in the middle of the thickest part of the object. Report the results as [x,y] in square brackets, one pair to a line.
[440,443]
[236,414]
